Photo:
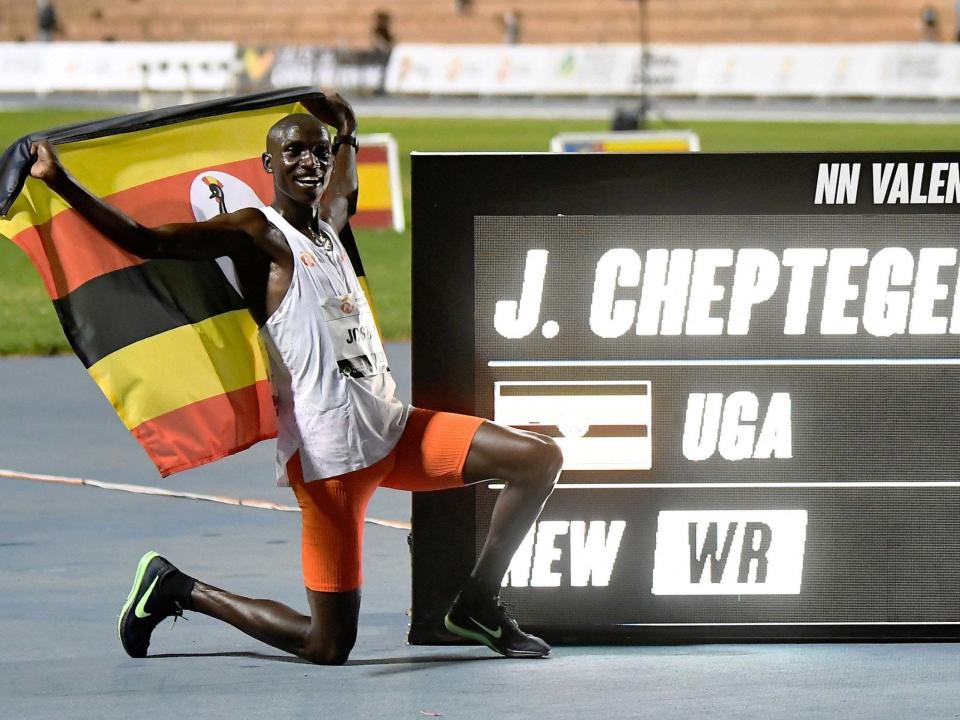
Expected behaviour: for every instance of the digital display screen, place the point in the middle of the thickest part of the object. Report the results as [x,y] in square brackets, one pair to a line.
[735,392]
[756,401]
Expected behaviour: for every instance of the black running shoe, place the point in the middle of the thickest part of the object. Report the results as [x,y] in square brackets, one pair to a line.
[488,623]
[145,607]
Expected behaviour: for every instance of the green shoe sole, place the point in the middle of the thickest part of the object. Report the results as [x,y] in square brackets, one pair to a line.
[484,640]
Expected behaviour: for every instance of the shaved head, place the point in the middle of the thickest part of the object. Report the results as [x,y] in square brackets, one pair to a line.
[278,133]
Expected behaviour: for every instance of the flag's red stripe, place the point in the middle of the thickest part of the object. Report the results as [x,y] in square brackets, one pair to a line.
[208,430]
[372,219]
[63,269]
[68,252]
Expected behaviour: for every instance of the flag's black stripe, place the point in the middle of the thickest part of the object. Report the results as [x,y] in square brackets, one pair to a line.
[128,305]
[595,431]
[566,390]
[350,245]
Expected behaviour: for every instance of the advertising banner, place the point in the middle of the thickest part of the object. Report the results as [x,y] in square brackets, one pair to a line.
[350,71]
[117,67]
[861,70]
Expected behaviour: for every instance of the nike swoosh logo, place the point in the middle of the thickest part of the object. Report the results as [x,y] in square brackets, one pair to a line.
[141,609]
[496,635]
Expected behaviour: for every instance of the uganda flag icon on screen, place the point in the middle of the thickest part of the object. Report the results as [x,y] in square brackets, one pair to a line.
[169,342]
[598,425]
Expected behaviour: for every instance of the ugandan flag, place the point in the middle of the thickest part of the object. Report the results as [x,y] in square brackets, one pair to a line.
[169,342]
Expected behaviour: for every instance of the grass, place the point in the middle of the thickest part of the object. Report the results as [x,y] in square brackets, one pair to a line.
[28,324]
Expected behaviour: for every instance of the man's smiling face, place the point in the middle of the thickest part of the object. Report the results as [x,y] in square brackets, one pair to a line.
[299,156]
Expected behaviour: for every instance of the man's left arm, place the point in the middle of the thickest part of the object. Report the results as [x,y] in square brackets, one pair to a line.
[339,200]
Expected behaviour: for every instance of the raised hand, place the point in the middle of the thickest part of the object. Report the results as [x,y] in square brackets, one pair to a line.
[333,110]
[47,165]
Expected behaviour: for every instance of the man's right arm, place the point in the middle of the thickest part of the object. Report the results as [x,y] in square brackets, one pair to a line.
[217,237]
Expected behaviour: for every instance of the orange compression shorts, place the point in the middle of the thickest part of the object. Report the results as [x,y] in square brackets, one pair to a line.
[429,456]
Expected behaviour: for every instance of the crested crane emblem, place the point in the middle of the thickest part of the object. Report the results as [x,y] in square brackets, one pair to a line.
[216,192]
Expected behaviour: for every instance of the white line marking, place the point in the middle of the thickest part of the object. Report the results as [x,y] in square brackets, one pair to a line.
[723,363]
[150,490]
[692,486]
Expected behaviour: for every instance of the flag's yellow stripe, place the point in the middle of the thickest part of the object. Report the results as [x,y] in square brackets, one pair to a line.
[113,163]
[182,366]
[373,308]
[374,186]
[35,204]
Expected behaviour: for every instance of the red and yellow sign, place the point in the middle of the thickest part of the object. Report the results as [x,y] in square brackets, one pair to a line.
[381,199]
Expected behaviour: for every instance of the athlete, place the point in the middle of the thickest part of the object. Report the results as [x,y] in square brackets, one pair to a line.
[342,432]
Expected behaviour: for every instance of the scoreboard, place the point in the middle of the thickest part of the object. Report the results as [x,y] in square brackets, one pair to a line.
[751,364]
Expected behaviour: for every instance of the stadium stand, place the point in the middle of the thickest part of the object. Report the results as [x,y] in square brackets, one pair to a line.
[346,23]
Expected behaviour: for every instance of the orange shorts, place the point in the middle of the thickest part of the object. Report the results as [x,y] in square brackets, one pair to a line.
[429,456]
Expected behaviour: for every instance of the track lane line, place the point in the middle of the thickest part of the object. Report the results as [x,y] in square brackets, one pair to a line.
[183,495]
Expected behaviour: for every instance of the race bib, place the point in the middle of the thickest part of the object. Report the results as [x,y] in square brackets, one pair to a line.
[356,341]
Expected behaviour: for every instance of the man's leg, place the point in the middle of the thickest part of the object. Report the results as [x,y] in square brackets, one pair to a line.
[326,637]
[441,450]
[332,544]
[529,465]
[160,590]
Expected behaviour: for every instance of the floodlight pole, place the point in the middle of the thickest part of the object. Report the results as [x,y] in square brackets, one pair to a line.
[637,119]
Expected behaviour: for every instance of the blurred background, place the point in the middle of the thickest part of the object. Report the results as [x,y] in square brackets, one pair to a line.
[489,75]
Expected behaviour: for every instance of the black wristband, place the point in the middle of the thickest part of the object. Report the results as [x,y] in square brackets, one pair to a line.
[345,140]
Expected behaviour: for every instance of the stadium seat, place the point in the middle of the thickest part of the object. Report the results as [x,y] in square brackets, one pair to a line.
[346,23]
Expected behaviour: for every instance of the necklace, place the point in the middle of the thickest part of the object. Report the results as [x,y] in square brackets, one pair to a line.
[320,240]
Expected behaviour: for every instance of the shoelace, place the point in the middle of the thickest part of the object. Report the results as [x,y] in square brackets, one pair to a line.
[177,613]
[503,613]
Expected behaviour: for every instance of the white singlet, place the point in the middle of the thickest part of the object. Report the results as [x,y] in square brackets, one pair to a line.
[335,394]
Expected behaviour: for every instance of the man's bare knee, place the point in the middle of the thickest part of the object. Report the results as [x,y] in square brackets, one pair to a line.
[542,462]
[333,630]
[326,652]
[518,457]
[553,460]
